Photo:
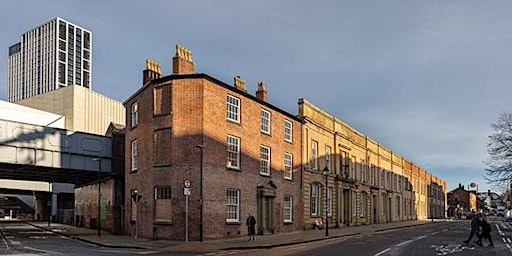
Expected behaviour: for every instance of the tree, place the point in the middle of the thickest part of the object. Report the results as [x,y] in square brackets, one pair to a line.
[499,148]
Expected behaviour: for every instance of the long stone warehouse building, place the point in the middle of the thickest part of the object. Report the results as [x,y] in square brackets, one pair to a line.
[199,147]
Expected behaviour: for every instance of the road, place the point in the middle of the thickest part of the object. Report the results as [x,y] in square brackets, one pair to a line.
[439,238]
[17,238]
[443,238]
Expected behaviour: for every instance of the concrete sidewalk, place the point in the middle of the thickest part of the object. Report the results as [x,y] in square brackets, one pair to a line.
[121,241]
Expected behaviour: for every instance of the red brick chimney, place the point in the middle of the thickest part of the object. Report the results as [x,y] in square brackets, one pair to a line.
[151,72]
[240,83]
[261,93]
[182,62]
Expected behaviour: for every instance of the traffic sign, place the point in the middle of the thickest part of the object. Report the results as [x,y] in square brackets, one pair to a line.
[187,191]
[187,183]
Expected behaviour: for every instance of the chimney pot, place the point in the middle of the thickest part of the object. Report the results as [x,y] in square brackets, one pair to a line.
[239,83]
[151,72]
[261,93]
[182,61]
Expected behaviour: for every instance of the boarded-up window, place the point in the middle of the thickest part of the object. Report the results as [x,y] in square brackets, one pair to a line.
[163,204]
[162,141]
[162,100]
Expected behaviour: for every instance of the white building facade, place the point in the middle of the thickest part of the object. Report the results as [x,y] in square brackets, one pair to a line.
[53,55]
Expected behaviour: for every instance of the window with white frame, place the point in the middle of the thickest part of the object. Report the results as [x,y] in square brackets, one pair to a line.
[233,147]
[314,155]
[315,199]
[328,158]
[363,204]
[233,205]
[354,203]
[264,160]
[134,155]
[353,164]
[362,170]
[288,209]
[373,174]
[265,121]
[329,201]
[163,203]
[382,203]
[345,163]
[288,130]
[288,166]
[395,182]
[383,178]
[135,114]
[398,206]
[233,109]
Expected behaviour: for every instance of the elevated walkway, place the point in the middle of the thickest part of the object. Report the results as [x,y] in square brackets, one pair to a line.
[41,153]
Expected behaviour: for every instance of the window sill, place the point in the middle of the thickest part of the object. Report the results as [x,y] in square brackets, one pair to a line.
[162,222]
[231,168]
[233,223]
[162,165]
[288,222]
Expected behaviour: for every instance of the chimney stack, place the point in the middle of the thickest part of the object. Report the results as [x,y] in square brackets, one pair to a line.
[261,93]
[182,61]
[240,83]
[151,72]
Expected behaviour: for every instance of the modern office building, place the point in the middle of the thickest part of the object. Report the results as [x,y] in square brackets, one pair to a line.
[85,110]
[53,55]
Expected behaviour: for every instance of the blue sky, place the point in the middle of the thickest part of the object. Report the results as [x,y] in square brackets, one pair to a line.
[424,78]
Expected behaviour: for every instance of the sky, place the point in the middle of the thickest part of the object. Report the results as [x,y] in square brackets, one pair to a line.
[425,79]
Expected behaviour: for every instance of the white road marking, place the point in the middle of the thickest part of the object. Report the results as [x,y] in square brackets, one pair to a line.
[382,252]
[43,251]
[420,237]
[402,243]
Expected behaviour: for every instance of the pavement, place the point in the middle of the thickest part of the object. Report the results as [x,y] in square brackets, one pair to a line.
[107,239]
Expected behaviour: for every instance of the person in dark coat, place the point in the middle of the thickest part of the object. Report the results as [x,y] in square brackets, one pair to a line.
[486,230]
[251,223]
[475,230]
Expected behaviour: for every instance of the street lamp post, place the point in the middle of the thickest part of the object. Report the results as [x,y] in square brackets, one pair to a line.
[99,195]
[201,146]
[326,173]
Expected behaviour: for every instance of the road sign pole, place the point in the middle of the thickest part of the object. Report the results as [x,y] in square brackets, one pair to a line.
[186,218]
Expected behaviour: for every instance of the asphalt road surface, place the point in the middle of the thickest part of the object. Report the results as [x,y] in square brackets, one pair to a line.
[443,238]
[17,238]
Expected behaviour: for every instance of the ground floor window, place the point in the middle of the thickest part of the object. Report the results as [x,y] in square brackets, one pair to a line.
[163,203]
[315,199]
[288,209]
[233,205]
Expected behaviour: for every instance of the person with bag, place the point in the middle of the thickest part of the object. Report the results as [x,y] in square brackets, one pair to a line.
[486,230]
[475,230]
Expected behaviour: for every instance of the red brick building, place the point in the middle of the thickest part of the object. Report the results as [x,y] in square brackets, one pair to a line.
[460,201]
[240,154]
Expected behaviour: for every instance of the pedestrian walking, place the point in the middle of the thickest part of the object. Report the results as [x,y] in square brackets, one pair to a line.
[251,223]
[475,230]
[486,230]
